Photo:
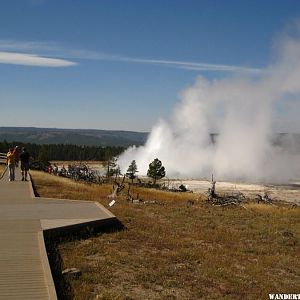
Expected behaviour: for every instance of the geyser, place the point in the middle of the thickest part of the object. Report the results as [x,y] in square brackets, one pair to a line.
[244,110]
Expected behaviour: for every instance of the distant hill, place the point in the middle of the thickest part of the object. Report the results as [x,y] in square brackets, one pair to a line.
[95,137]
[88,137]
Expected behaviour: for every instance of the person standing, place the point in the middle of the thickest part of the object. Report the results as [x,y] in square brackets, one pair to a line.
[10,160]
[17,156]
[24,158]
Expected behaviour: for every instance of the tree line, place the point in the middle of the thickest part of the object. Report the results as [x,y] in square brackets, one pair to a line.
[50,152]
[66,152]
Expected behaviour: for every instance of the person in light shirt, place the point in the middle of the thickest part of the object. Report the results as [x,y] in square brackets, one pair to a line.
[10,160]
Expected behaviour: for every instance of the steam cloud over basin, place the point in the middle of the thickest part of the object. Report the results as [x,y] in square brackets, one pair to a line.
[244,110]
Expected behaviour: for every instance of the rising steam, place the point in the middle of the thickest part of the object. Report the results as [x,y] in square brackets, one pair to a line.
[244,111]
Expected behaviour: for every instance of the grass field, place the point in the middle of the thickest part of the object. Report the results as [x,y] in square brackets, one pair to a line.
[170,250]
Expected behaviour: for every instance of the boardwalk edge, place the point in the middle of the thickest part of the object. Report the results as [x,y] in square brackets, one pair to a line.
[46,267]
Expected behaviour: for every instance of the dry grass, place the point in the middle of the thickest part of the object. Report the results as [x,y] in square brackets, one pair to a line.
[2,168]
[171,251]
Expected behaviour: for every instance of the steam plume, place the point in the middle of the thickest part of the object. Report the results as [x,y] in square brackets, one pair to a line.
[242,109]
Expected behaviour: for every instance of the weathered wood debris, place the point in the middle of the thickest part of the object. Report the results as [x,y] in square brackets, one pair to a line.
[71,272]
[76,171]
[235,198]
[265,198]
[117,187]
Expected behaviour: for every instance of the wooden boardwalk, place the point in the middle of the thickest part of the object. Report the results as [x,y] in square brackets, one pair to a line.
[24,267]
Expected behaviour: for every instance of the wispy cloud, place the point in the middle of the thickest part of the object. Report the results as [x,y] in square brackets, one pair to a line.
[55,50]
[28,46]
[33,60]
[195,66]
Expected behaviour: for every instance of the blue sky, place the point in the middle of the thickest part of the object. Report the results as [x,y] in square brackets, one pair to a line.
[122,64]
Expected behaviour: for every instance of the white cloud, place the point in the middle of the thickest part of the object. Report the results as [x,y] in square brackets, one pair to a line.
[33,60]
[55,50]
[195,66]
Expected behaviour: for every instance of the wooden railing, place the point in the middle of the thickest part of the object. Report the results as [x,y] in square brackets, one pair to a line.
[2,158]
